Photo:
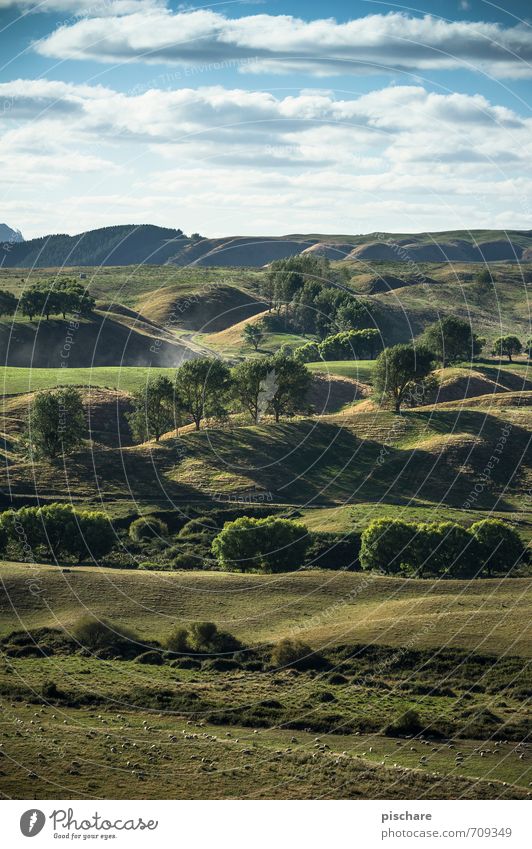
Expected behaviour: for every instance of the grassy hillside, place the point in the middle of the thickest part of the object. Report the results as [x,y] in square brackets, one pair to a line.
[323,608]
[390,646]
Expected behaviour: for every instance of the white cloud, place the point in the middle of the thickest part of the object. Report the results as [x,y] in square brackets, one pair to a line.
[244,157]
[282,43]
[85,8]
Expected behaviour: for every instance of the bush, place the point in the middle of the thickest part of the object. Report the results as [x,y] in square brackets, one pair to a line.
[500,546]
[153,658]
[147,527]
[295,653]
[268,545]
[333,551]
[407,724]
[205,638]
[100,634]
[202,638]
[201,525]
[177,641]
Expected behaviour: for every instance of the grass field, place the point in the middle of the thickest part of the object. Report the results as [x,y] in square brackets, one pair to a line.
[355,369]
[321,607]
[18,380]
[444,651]
[117,754]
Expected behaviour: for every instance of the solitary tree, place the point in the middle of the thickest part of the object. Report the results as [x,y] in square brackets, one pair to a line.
[398,370]
[507,346]
[451,340]
[156,410]
[56,422]
[253,334]
[202,386]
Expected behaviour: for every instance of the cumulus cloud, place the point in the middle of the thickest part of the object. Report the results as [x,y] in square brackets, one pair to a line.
[233,151]
[85,8]
[282,43]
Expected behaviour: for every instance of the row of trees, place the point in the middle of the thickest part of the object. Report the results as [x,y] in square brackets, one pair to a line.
[63,297]
[207,388]
[55,531]
[347,345]
[202,388]
[440,548]
[392,546]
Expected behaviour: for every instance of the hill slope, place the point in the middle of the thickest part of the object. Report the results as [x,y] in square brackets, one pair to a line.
[139,244]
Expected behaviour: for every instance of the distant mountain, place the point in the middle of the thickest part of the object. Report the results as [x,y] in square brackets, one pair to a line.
[7,234]
[150,245]
[127,244]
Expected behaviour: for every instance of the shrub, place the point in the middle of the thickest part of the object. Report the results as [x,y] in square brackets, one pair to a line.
[205,638]
[408,723]
[500,546]
[202,638]
[201,525]
[97,634]
[184,561]
[177,641]
[147,527]
[269,544]
[153,658]
[295,653]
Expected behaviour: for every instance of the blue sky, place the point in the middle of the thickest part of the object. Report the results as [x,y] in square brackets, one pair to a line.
[265,117]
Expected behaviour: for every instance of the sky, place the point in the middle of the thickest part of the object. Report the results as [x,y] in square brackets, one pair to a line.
[266,118]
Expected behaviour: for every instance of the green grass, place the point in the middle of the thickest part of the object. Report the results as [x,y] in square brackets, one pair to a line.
[17,380]
[486,615]
[167,732]
[141,756]
[355,369]
[356,517]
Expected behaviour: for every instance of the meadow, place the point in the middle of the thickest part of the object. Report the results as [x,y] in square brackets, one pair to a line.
[418,688]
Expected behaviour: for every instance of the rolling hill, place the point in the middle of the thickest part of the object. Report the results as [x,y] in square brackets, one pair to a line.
[148,244]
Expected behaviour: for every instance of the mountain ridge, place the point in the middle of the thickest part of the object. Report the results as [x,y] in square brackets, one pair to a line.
[148,244]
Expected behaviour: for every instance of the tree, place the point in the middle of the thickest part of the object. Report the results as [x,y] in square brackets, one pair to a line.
[156,410]
[451,340]
[528,349]
[388,545]
[459,552]
[32,302]
[396,371]
[269,545]
[507,346]
[202,385]
[254,386]
[501,547]
[56,423]
[8,303]
[253,334]
[292,381]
